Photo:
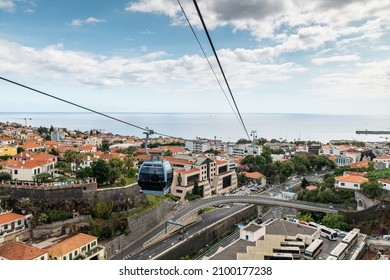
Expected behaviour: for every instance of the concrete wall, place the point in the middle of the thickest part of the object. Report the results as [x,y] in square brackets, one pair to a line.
[59,228]
[139,225]
[201,239]
[371,213]
[127,197]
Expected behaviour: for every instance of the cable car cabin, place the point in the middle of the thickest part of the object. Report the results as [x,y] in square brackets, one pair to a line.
[155,177]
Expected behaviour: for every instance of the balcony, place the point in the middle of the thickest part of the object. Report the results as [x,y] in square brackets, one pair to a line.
[91,253]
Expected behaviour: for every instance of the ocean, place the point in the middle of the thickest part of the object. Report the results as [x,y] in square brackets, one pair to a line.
[221,126]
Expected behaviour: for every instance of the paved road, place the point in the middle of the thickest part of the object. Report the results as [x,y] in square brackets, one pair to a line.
[151,252]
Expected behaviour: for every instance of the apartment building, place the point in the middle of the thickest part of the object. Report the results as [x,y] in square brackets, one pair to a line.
[211,175]
[77,247]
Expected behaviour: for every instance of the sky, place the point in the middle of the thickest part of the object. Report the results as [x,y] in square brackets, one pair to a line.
[317,56]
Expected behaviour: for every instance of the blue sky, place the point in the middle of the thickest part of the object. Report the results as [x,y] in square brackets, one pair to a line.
[328,56]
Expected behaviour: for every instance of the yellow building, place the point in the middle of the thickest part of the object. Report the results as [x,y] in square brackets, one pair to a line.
[8,151]
[77,247]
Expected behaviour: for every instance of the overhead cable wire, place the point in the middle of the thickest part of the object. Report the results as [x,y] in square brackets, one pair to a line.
[220,66]
[82,107]
[208,61]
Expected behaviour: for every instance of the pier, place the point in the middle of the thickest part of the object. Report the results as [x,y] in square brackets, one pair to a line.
[372,132]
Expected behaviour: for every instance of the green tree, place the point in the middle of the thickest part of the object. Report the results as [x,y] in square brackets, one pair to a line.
[116,169]
[334,221]
[43,177]
[304,183]
[371,189]
[73,157]
[307,217]
[5,176]
[101,171]
[105,146]
[329,180]
[63,166]
[243,141]
[328,196]
[84,173]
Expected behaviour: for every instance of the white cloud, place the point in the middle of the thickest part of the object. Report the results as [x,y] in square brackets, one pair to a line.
[336,58]
[7,5]
[291,25]
[90,20]
[69,66]
[363,80]
[166,7]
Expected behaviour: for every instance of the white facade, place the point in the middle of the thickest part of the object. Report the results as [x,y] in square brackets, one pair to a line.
[352,182]
[252,232]
[384,159]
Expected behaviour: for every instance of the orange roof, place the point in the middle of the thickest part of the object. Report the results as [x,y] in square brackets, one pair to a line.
[9,217]
[70,244]
[360,164]
[384,181]
[19,251]
[9,162]
[49,142]
[142,157]
[179,160]
[221,162]
[332,157]
[352,179]
[63,149]
[181,171]
[311,188]
[31,144]
[175,149]
[29,164]
[253,175]
[384,156]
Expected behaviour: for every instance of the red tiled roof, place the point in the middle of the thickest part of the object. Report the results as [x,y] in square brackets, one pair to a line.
[19,251]
[360,164]
[9,217]
[384,156]
[191,171]
[70,244]
[352,179]
[253,175]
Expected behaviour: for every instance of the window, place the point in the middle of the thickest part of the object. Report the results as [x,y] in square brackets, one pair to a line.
[19,222]
[83,249]
[343,184]
[64,257]
[5,227]
[15,172]
[355,185]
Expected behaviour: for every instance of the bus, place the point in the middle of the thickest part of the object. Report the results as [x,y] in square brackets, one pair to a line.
[296,253]
[351,237]
[313,224]
[313,250]
[279,256]
[297,244]
[328,233]
[340,251]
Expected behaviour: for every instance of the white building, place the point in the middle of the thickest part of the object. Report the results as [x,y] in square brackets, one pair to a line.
[384,159]
[352,182]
